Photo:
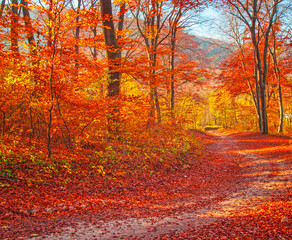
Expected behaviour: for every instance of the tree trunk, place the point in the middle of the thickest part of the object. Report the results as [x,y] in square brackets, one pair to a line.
[157,105]
[50,113]
[258,104]
[121,18]
[14,27]
[50,29]
[263,96]
[261,83]
[174,29]
[281,122]
[28,26]
[151,119]
[51,43]
[114,75]
[77,36]
[2,7]
[3,123]
[277,73]
[173,42]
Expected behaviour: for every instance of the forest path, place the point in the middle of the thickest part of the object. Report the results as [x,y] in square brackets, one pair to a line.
[265,174]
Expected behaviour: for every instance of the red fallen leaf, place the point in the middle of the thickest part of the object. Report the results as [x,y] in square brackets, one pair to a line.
[205,185]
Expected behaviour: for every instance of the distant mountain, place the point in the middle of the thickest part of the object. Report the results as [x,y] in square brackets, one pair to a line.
[215,50]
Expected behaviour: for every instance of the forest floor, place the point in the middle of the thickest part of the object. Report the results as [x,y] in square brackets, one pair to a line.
[240,188]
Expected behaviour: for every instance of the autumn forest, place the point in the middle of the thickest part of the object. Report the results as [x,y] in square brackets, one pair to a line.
[108,105]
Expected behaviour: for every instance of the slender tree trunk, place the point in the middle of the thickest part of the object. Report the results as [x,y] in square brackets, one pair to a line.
[152,63]
[3,123]
[157,105]
[172,57]
[14,26]
[94,54]
[264,85]
[261,84]
[174,29]
[33,55]
[77,36]
[151,119]
[155,91]
[277,73]
[51,44]
[258,104]
[154,99]
[51,84]
[2,7]
[263,95]
[52,104]
[94,31]
[31,40]
[50,29]
[281,107]
[69,145]
[28,26]
[254,92]
[280,98]
[31,133]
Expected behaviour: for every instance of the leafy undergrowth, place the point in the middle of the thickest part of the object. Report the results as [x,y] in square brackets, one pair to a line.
[92,178]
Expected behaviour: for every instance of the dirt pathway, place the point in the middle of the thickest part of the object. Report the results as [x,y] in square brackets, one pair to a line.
[265,174]
[268,174]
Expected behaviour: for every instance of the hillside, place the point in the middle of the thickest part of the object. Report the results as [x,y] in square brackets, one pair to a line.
[215,50]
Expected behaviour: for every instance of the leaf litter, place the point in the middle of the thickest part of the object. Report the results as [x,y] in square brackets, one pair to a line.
[239,188]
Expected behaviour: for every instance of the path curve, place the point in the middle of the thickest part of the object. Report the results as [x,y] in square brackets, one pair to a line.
[266,176]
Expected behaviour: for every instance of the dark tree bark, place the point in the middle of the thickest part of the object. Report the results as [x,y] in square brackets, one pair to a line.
[174,27]
[114,75]
[77,36]
[281,108]
[28,26]
[14,26]
[277,73]
[121,18]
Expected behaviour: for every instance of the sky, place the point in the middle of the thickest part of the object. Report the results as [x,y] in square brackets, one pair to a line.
[209,28]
